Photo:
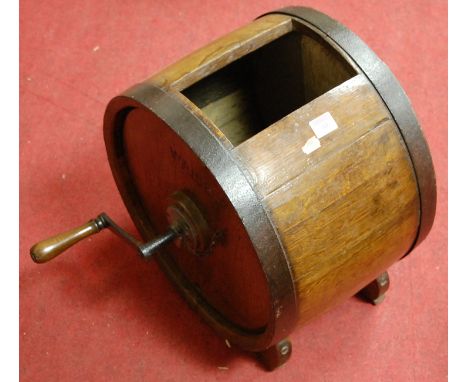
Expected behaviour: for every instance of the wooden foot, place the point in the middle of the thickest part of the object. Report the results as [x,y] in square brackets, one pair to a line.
[276,355]
[375,291]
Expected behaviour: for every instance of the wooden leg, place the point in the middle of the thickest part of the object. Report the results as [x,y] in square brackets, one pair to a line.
[375,291]
[276,355]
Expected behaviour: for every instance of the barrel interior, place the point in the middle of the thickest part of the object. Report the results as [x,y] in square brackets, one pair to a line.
[269,83]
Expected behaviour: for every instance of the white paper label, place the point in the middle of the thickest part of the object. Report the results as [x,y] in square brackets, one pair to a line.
[312,144]
[322,125]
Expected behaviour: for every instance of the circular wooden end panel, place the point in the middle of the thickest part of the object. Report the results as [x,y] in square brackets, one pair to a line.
[160,163]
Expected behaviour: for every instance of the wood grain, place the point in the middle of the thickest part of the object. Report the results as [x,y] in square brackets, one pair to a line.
[275,155]
[50,248]
[260,88]
[343,213]
[323,68]
[346,211]
[231,278]
[223,51]
[348,218]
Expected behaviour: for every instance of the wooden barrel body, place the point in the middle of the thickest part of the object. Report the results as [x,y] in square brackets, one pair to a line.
[304,154]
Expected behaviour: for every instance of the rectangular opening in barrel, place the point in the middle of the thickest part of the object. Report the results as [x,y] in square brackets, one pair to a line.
[262,87]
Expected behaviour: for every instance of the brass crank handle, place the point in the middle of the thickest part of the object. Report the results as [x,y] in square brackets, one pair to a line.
[47,249]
